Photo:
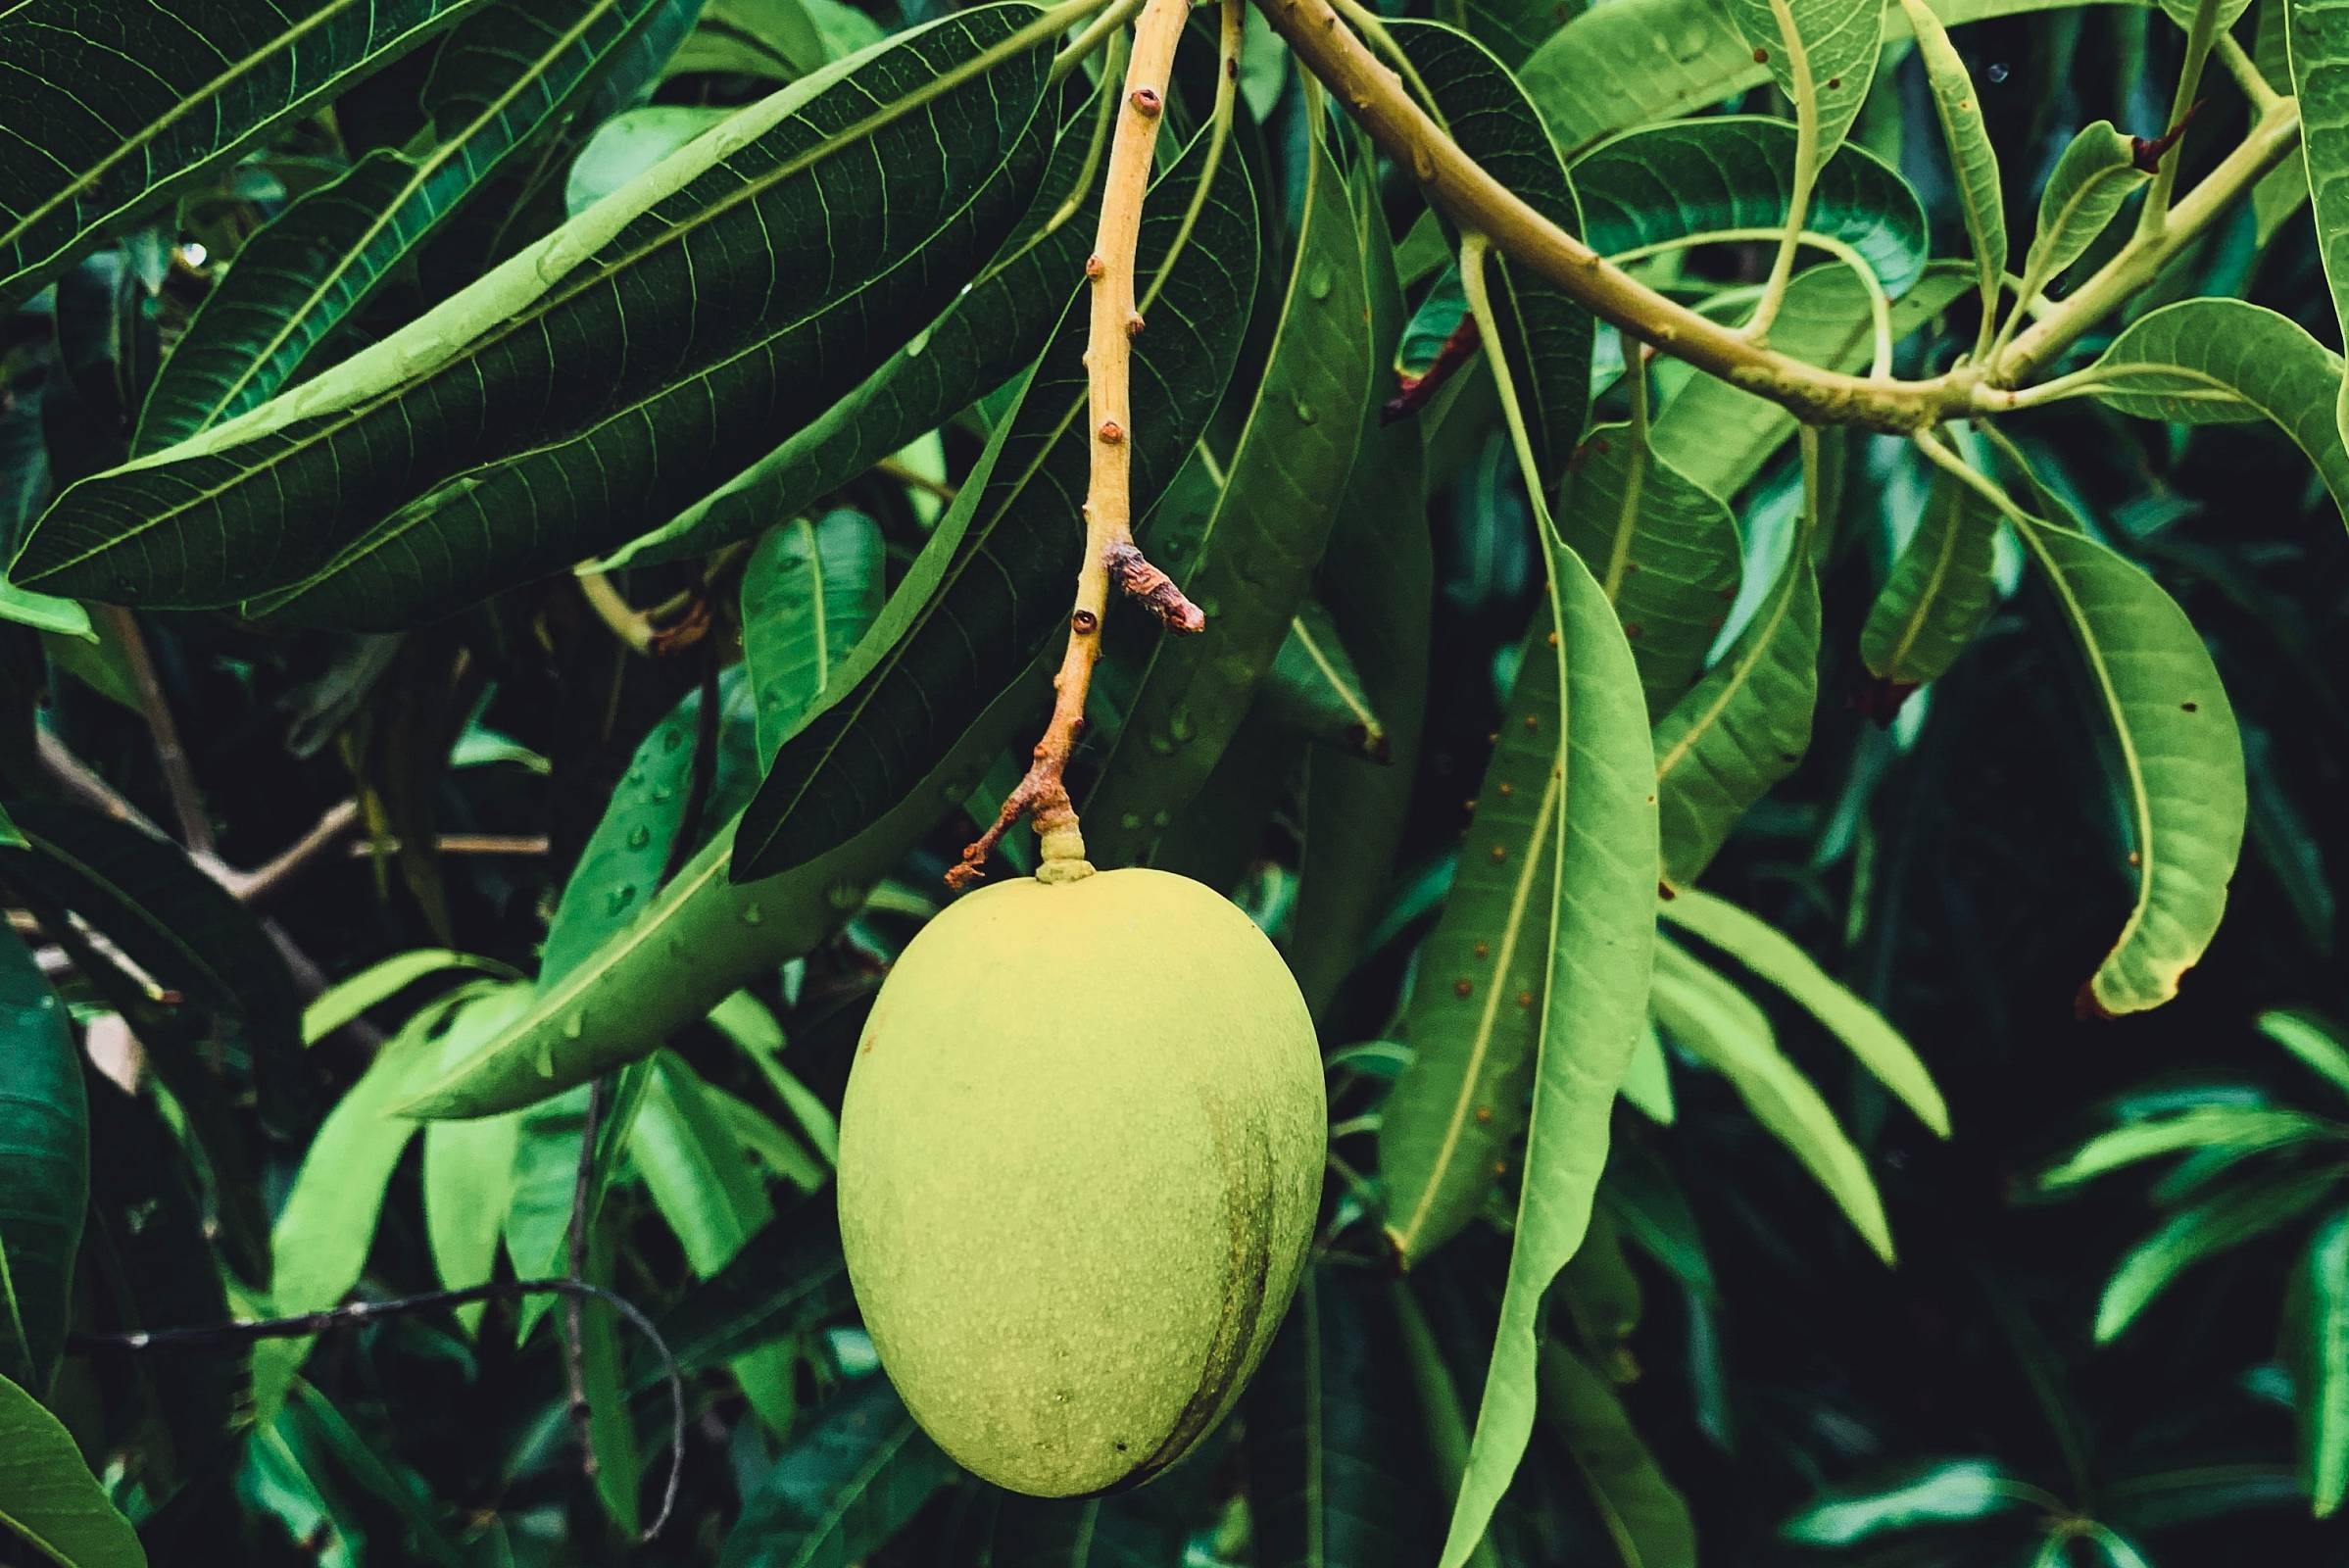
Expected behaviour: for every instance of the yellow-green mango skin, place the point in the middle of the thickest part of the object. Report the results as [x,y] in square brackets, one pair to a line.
[1080,1158]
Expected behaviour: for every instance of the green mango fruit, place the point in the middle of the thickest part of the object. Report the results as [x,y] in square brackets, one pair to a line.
[1080,1159]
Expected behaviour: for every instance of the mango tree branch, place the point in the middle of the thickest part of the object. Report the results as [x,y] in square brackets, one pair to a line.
[1109,500]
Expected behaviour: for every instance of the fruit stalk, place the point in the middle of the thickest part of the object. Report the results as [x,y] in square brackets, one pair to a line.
[1109,501]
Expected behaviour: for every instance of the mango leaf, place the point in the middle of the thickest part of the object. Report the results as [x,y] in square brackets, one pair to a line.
[1971,156]
[2180,755]
[49,1501]
[850,1481]
[1334,1443]
[1941,591]
[2317,1345]
[629,143]
[990,585]
[2318,34]
[1511,29]
[811,590]
[510,71]
[1314,687]
[787,1279]
[1728,172]
[1547,336]
[620,867]
[1377,581]
[2282,190]
[2097,172]
[1599,945]
[727,256]
[1745,724]
[180,99]
[2316,1041]
[1822,53]
[1129,1530]
[1644,1515]
[469,1182]
[2207,361]
[544,1182]
[984,338]
[1721,435]
[1635,62]
[1250,564]
[2201,1232]
[2241,1129]
[1664,551]
[1474,1021]
[1720,1024]
[1946,1492]
[380,982]
[44,1169]
[1766,951]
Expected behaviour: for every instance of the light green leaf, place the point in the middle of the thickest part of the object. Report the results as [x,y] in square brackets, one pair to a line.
[1511,29]
[2317,1345]
[510,72]
[454,455]
[811,590]
[990,585]
[1599,943]
[468,1183]
[1251,563]
[380,982]
[2097,172]
[1474,1020]
[2207,361]
[2318,34]
[1644,1517]
[1745,724]
[1722,1026]
[1941,591]
[1821,53]
[2237,1129]
[1634,62]
[2314,1040]
[45,612]
[44,1169]
[49,1500]
[2180,755]
[2282,190]
[1663,548]
[1648,1081]
[630,143]
[1947,1491]
[1765,950]
[2197,1233]
[180,99]
[745,1020]
[544,1183]
[619,870]
[853,1479]
[1970,155]
[1736,173]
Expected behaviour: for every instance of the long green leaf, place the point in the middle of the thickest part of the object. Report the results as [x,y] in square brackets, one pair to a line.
[2097,172]
[1645,1518]
[992,584]
[49,1501]
[1744,725]
[742,284]
[2180,755]
[1663,548]
[1600,946]
[512,71]
[1721,1024]
[1765,950]
[1635,62]
[1474,1019]
[1946,1492]
[2317,1343]
[809,592]
[2207,361]
[1823,51]
[469,1182]
[2316,1041]
[1970,155]
[44,1169]
[1941,591]
[176,94]
[1251,563]
[2282,190]
[2239,1129]
[849,1484]
[2199,1233]
[1334,1447]
[1737,172]
[620,866]
[2317,34]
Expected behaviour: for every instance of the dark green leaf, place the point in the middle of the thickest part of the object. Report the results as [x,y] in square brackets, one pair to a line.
[517,69]
[44,1169]
[842,1489]
[375,493]
[49,1501]
[787,1278]
[1644,1517]
[1940,590]
[811,591]
[175,99]
[990,585]
[1314,687]
[2317,1341]
[621,867]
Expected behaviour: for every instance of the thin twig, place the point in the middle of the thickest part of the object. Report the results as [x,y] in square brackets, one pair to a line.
[257,885]
[179,778]
[242,1331]
[574,1343]
[1108,498]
